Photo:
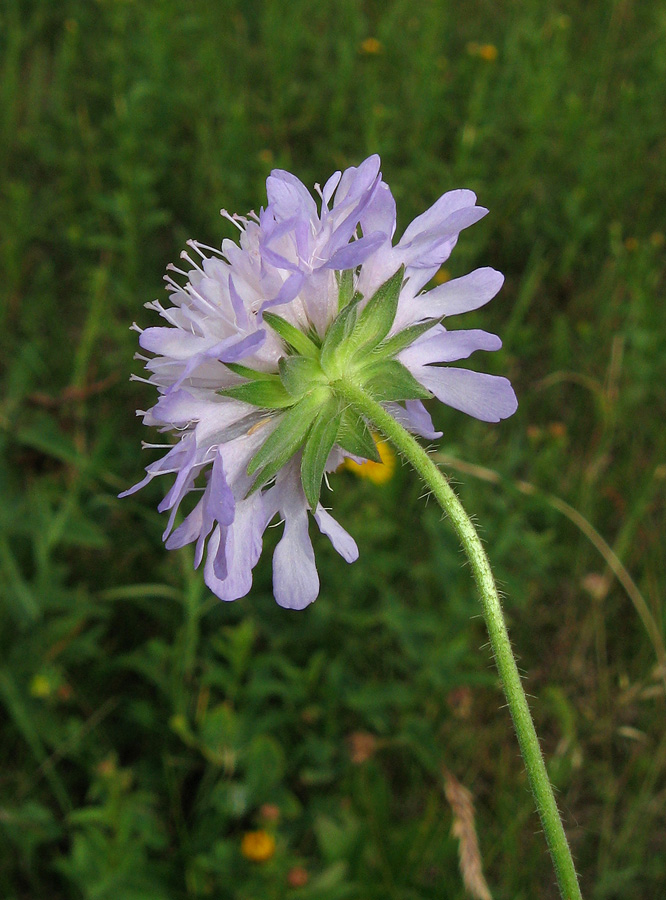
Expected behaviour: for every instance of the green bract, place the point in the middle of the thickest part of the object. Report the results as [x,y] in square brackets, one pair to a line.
[355,350]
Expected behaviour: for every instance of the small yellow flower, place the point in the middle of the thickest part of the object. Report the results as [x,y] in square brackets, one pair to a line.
[258,846]
[377,472]
[442,276]
[488,52]
[266,156]
[657,239]
[631,244]
[371,46]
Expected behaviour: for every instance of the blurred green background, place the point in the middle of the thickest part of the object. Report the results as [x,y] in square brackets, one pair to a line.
[146,727]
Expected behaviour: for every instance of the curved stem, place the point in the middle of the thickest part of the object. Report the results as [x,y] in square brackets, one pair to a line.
[499,637]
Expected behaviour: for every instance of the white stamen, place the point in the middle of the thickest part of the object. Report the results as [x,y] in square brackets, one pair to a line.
[198,244]
[172,268]
[173,285]
[233,219]
[185,255]
[197,248]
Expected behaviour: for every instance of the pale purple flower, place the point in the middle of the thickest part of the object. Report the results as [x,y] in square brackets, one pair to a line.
[249,396]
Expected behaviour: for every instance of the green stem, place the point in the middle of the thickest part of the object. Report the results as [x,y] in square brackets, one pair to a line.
[499,637]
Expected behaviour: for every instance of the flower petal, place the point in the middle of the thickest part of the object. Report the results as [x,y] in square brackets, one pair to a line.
[287,292]
[220,503]
[189,529]
[380,214]
[486,397]
[295,578]
[434,217]
[234,551]
[447,346]
[174,342]
[342,541]
[432,248]
[415,417]
[356,180]
[330,186]
[351,255]
[229,350]
[462,294]
[288,196]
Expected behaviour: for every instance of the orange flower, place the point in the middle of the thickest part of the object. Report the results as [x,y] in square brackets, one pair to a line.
[270,812]
[488,52]
[297,877]
[362,746]
[258,846]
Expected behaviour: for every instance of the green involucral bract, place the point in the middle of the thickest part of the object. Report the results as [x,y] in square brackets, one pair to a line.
[390,380]
[300,374]
[355,437]
[355,350]
[291,335]
[287,437]
[323,432]
[264,393]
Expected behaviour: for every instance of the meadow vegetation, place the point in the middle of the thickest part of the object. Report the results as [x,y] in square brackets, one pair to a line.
[147,727]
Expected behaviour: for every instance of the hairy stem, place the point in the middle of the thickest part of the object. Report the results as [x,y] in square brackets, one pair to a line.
[499,637]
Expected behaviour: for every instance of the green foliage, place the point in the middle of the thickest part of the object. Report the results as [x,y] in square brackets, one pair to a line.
[146,727]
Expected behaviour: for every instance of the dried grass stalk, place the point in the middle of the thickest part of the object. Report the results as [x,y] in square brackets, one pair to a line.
[464,829]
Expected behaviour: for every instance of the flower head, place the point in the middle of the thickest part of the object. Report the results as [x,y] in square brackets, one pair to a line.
[259,335]
[258,846]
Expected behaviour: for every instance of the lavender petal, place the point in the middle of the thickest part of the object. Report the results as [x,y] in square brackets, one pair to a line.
[486,397]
